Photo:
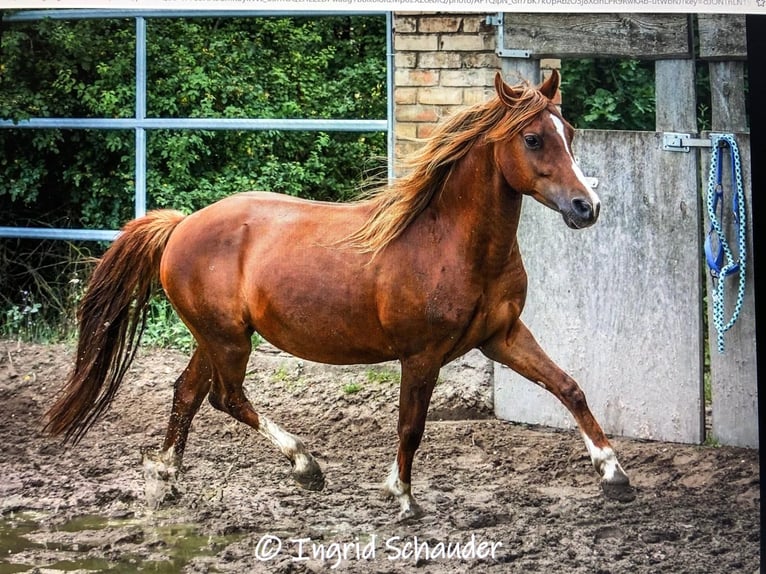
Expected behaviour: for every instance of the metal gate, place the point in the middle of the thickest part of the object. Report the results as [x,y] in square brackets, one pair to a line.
[621,306]
[140,123]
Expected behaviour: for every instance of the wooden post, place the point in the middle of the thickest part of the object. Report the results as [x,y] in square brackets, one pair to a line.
[515,70]
[727,90]
[676,96]
[733,374]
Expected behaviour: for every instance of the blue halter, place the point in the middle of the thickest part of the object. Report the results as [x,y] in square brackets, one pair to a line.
[718,253]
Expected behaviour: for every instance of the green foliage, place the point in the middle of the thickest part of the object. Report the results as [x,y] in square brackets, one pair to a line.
[702,87]
[20,320]
[40,286]
[330,67]
[165,329]
[608,94]
[383,375]
[352,388]
[49,71]
[619,94]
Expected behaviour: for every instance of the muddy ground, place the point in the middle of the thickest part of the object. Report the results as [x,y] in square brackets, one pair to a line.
[499,497]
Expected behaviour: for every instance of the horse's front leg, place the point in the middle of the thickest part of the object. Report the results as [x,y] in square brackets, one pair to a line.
[519,350]
[418,381]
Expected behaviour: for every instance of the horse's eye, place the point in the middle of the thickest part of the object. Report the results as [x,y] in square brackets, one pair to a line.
[533,141]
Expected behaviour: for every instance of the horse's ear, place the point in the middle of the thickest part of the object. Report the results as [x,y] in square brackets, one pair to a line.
[550,86]
[505,92]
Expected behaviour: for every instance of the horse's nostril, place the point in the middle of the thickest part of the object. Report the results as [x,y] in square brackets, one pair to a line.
[582,208]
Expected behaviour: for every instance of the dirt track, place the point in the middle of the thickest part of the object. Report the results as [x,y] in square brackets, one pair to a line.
[514,498]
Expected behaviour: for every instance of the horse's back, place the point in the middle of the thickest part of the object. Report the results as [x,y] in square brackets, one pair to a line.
[262,221]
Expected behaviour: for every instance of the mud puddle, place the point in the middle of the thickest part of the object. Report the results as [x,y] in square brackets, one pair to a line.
[29,542]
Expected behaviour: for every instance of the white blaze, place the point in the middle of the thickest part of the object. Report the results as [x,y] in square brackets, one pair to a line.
[559,125]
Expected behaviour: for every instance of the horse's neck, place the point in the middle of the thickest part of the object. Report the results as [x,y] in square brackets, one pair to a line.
[477,204]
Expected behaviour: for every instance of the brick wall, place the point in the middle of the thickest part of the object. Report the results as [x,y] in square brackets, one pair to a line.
[442,62]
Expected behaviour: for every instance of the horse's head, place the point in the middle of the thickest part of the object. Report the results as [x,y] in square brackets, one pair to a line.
[537,160]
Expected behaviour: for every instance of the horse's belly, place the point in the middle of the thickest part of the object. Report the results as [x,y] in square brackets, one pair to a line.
[323,339]
[327,351]
[326,315]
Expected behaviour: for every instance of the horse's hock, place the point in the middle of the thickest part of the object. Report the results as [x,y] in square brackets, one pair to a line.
[621,308]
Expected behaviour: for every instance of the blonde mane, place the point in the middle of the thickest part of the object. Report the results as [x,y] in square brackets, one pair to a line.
[397,204]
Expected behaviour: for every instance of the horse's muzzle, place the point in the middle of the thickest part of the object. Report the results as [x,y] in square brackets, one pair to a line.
[581,213]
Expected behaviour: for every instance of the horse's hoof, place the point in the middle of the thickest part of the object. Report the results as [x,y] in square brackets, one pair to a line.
[310,482]
[160,475]
[310,476]
[619,490]
[412,512]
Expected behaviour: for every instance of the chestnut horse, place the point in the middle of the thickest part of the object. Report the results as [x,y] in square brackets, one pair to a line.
[422,271]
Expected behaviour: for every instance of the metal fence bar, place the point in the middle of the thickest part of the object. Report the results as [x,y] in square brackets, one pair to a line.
[244,124]
[98,14]
[58,233]
[140,123]
[140,164]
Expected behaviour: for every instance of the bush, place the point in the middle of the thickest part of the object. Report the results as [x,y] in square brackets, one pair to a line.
[332,67]
[329,67]
[608,94]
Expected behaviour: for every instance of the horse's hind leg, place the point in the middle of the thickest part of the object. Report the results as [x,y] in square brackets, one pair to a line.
[190,390]
[160,469]
[228,396]
[519,350]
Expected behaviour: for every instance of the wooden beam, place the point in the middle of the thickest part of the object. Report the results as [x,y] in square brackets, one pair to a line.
[722,36]
[641,36]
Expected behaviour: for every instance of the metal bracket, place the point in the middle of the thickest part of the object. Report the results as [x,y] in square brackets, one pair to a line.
[680,142]
[500,50]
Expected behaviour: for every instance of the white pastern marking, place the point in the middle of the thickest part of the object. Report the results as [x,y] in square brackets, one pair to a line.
[290,445]
[402,492]
[393,484]
[559,125]
[160,473]
[604,460]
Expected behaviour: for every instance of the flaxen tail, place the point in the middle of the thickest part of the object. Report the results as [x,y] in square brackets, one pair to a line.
[111,319]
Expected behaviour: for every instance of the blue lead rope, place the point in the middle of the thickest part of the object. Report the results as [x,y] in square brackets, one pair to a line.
[718,253]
